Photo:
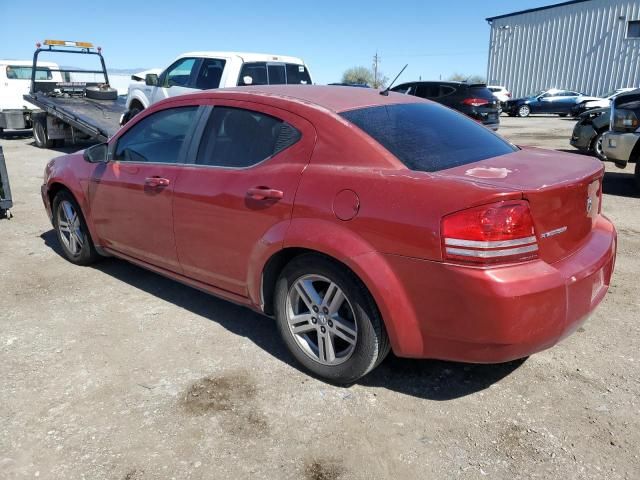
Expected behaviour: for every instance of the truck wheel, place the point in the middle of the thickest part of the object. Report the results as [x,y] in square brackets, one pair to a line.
[40,132]
[129,114]
[101,93]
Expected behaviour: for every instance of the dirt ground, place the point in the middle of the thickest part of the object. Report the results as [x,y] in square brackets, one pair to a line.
[113,372]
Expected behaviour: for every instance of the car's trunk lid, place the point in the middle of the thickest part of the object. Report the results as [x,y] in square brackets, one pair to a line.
[563,191]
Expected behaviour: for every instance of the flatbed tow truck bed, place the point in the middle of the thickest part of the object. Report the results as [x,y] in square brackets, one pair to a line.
[99,119]
[77,105]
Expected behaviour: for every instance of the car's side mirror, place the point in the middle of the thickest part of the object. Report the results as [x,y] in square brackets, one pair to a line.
[96,153]
[151,79]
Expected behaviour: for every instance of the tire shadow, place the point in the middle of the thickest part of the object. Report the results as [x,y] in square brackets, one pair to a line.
[426,379]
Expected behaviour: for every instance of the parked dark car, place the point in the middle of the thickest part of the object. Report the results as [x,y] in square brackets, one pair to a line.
[342,84]
[473,99]
[589,129]
[550,101]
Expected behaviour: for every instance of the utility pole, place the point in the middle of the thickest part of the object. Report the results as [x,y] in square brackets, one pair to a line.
[376,60]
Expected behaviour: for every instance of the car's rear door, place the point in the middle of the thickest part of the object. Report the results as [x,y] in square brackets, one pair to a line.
[131,195]
[241,185]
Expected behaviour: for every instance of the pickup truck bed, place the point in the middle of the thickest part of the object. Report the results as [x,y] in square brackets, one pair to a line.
[97,118]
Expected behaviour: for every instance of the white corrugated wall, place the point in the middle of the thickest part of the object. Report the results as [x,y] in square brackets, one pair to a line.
[582,46]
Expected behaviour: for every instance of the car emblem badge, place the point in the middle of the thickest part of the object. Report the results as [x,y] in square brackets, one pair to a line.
[589,205]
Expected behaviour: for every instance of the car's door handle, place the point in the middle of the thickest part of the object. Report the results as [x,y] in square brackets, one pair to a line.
[264,193]
[155,182]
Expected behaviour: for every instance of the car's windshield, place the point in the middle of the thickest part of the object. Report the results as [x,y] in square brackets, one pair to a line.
[18,72]
[428,137]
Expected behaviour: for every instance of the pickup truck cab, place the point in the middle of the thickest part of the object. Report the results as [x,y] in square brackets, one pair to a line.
[15,79]
[621,144]
[195,71]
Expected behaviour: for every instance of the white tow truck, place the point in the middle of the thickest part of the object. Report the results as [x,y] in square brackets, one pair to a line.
[15,79]
[195,71]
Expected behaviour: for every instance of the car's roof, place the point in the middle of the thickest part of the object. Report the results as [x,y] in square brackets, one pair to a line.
[334,98]
[245,56]
[27,63]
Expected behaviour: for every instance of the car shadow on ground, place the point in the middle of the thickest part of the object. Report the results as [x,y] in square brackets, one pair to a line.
[427,379]
[22,134]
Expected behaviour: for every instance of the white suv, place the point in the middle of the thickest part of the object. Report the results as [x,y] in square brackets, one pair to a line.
[206,70]
[500,92]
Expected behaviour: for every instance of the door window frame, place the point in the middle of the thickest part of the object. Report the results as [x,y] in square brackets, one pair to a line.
[182,158]
[192,76]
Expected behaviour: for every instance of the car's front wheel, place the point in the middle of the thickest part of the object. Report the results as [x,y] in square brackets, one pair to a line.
[328,319]
[596,147]
[72,230]
[524,111]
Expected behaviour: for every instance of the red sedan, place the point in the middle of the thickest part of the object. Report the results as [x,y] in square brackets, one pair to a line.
[361,222]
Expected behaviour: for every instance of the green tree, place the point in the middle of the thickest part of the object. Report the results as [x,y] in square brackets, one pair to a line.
[461,77]
[358,75]
[364,75]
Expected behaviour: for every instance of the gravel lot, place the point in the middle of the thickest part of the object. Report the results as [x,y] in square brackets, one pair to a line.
[113,372]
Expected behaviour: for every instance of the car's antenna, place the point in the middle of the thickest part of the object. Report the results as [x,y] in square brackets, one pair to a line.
[385,92]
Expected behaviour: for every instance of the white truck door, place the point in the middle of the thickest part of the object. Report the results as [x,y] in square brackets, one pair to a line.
[176,80]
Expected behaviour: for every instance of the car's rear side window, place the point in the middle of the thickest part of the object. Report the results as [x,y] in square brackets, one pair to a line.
[239,138]
[428,137]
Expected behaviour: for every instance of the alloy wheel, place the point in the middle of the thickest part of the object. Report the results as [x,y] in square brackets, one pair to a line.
[597,147]
[70,228]
[321,320]
[524,111]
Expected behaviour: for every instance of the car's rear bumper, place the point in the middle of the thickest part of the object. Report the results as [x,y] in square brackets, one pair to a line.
[500,314]
[618,146]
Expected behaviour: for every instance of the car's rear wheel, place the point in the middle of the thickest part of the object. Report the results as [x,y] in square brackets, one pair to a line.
[72,230]
[328,319]
[596,147]
[524,111]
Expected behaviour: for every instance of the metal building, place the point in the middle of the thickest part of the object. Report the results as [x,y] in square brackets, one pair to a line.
[591,46]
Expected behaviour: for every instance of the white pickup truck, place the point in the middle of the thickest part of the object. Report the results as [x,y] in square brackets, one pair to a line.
[205,70]
[15,79]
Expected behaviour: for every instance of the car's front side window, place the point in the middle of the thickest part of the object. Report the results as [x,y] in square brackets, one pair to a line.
[239,138]
[179,74]
[157,138]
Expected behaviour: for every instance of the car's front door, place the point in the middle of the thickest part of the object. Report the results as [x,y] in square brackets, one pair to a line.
[131,195]
[179,78]
[241,185]
[544,103]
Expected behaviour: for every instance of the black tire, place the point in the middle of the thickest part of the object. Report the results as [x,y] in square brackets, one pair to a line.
[524,111]
[372,343]
[563,114]
[87,254]
[129,114]
[101,93]
[40,136]
[596,146]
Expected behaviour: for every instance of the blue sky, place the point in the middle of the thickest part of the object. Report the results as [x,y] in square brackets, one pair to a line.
[434,37]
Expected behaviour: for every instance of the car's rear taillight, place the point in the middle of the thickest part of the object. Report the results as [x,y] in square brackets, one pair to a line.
[497,233]
[475,102]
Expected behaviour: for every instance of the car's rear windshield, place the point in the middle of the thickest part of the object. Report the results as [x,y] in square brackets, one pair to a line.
[428,137]
[15,72]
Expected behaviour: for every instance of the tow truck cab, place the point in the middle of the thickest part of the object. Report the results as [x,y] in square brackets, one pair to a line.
[15,78]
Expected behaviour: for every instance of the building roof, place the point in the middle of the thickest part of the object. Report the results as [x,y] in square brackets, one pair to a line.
[490,19]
